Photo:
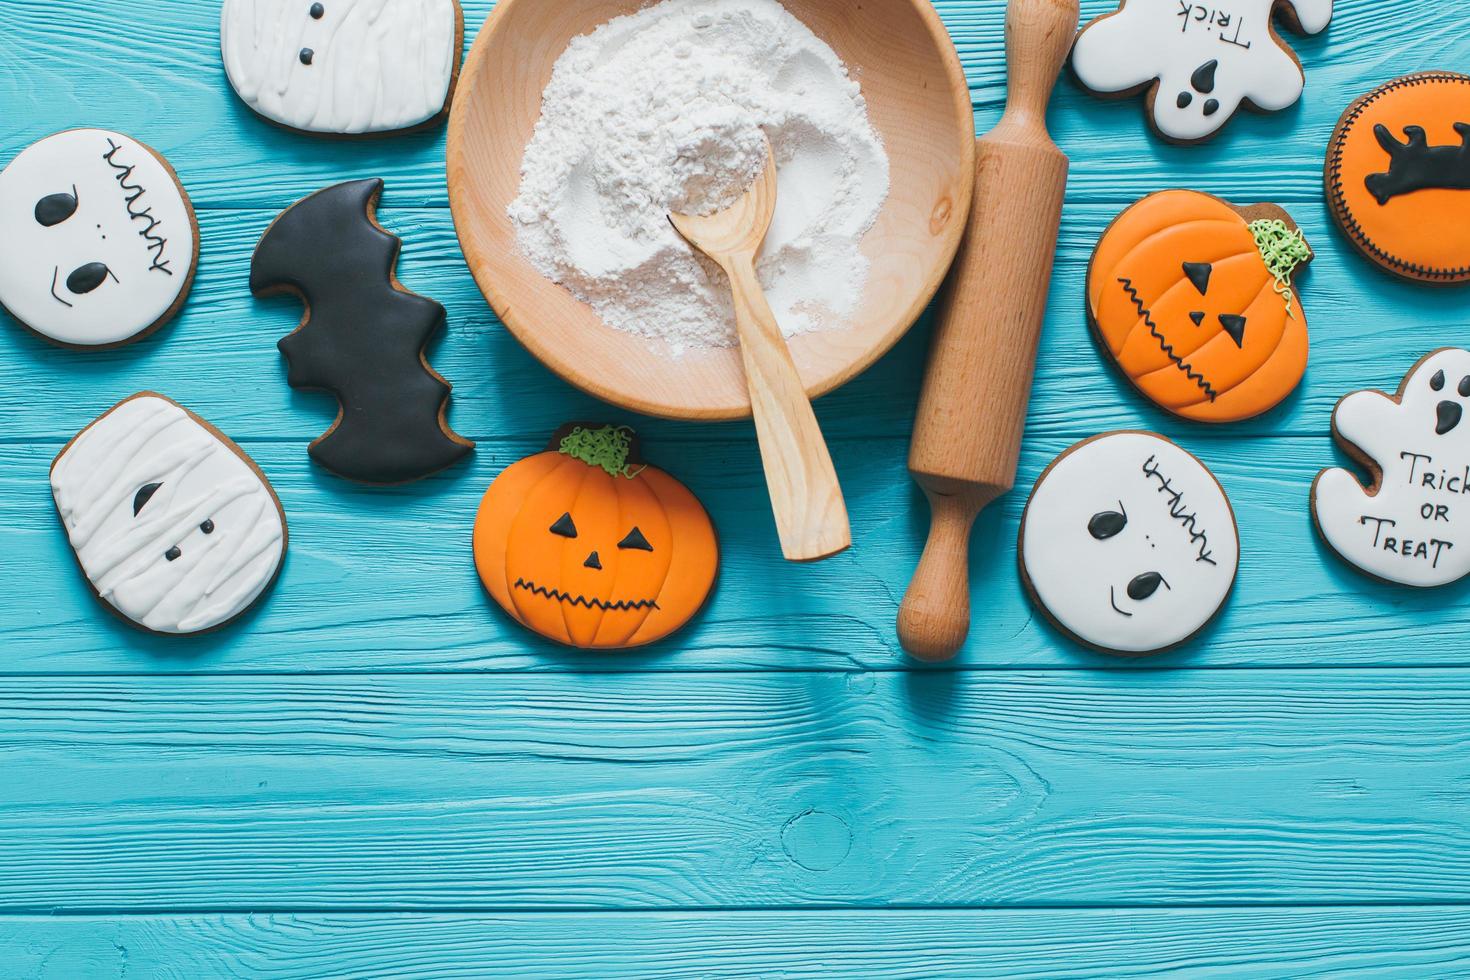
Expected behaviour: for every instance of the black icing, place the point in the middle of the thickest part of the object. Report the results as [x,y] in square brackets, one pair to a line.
[317,10]
[1203,78]
[593,562]
[363,339]
[144,494]
[1437,382]
[1108,523]
[173,554]
[1198,273]
[86,278]
[1212,106]
[1198,317]
[1415,165]
[1184,100]
[1464,388]
[1234,325]
[207,527]
[306,55]
[1449,416]
[635,540]
[53,209]
[1145,585]
[564,526]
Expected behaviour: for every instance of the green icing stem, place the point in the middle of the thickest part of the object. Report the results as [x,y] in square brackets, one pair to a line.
[606,448]
[1283,250]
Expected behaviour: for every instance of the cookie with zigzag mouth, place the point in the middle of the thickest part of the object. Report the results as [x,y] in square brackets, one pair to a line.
[1194,300]
[589,546]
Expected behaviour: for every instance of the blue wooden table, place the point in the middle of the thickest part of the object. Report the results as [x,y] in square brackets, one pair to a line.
[377,774]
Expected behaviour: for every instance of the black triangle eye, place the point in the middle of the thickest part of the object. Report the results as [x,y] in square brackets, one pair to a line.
[564,526]
[635,539]
[1109,523]
[1234,325]
[144,494]
[1437,382]
[53,209]
[1198,273]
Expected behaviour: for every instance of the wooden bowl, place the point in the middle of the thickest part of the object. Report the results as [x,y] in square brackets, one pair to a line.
[918,101]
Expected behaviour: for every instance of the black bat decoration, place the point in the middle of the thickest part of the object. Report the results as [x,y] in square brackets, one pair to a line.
[362,338]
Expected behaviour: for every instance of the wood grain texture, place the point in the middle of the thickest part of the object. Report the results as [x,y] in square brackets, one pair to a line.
[1055,944]
[579,791]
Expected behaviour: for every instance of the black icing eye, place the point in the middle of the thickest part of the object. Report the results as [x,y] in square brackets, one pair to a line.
[1234,325]
[207,527]
[144,494]
[1198,316]
[53,209]
[635,539]
[1212,106]
[317,10]
[306,55]
[1464,388]
[1437,382]
[173,554]
[1198,273]
[1108,523]
[564,526]
[1145,585]
[88,277]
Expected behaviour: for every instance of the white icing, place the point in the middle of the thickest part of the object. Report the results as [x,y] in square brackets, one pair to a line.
[131,215]
[1425,489]
[1169,39]
[1178,525]
[376,66]
[216,575]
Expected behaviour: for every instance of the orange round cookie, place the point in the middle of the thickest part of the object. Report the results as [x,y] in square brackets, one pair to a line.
[1192,298]
[588,546]
[1398,176]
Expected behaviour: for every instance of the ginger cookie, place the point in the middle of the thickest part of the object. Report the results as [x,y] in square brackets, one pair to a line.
[1398,176]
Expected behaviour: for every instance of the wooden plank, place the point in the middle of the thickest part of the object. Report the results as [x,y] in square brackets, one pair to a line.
[1058,944]
[665,791]
[225,342]
[382,580]
[156,69]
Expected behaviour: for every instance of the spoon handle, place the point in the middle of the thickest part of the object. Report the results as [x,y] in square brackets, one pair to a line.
[811,517]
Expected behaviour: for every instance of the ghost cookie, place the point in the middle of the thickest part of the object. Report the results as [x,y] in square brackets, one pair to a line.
[1411,524]
[1193,299]
[1198,60]
[174,526]
[1398,176]
[100,243]
[1128,543]
[344,67]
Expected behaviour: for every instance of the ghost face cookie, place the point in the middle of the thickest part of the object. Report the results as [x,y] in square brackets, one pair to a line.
[1199,60]
[100,243]
[1128,543]
[1398,176]
[173,525]
[1193,299]
[343,67]
[1411,525]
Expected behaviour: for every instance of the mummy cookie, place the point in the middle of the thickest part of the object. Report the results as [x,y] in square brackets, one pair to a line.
[100,243]
[343,67]
[1198,60]
[1411,524]
[173,525]
[1398,176]
[362,338]
[1193,299]
[1128,543]
[589,546]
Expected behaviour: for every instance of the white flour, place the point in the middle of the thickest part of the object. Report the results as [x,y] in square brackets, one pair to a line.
[663,110]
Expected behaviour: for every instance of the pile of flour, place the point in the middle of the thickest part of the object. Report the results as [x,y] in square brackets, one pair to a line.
[668,109]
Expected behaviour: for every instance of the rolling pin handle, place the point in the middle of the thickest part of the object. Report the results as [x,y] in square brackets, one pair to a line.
[935,615]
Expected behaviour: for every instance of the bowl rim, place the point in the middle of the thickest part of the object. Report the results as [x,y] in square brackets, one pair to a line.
[507,311]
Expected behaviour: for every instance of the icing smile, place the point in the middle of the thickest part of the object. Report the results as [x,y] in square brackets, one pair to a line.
[583,601]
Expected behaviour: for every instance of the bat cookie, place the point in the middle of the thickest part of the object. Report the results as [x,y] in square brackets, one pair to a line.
[100,243]
[1198,60]
[1411,525]
[1193,299]
[344,67]
[1128,543]
[362,338]
[176,529]
[589,546]
[1398,176]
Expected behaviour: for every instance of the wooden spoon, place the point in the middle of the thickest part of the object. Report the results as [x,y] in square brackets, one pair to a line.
[811,517]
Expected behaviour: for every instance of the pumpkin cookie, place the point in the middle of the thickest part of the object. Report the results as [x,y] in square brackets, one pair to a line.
[1398,176]
[1193,299]
[589,546]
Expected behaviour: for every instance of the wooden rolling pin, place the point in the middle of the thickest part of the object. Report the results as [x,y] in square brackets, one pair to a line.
[967,437]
